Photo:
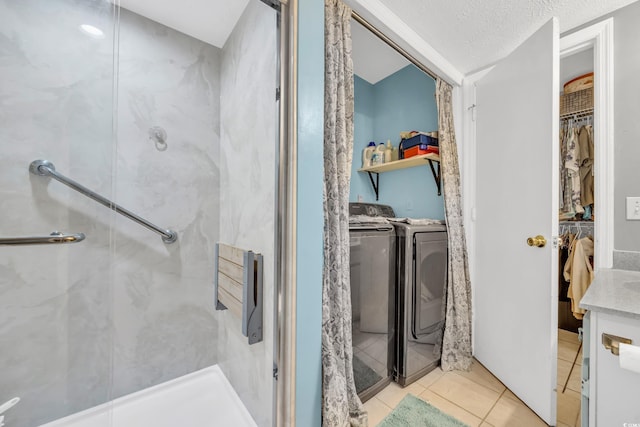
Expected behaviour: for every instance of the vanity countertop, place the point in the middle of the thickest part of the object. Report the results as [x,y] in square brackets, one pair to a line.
[615,292]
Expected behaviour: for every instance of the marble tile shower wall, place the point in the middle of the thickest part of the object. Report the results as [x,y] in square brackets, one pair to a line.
[164,320]
[247,168]
[82,324]
[55,104]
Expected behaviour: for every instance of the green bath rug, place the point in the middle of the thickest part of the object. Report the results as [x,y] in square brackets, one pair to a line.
[413,412]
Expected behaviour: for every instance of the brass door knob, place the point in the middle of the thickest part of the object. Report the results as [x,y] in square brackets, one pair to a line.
[538,241]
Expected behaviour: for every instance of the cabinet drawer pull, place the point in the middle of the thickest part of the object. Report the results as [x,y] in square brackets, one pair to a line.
[612,342]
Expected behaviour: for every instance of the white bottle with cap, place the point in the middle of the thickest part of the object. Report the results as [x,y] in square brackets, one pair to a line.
[367,155]
[388,152]
[379,154]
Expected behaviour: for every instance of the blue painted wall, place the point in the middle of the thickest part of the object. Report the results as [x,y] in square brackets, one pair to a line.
[401,102]
[363,119]
[309,212]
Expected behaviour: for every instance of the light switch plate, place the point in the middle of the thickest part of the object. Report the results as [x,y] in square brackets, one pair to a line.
[633,208]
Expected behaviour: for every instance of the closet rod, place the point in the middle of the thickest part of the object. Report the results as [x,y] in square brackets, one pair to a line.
[392,44]
[582,113]
[576,223]
[587,227]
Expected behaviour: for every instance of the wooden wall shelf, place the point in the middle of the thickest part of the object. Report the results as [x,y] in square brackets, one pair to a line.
[403,164]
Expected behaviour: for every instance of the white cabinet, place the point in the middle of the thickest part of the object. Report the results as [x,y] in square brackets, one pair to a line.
[613,301]
[614,392]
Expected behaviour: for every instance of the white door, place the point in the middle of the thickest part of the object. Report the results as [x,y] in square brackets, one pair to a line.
[516,295]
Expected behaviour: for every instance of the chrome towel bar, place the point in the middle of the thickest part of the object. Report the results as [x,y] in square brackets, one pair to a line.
[46,168]
[55,237]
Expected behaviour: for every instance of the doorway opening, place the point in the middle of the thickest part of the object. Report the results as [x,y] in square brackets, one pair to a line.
[576,223]
[586,199]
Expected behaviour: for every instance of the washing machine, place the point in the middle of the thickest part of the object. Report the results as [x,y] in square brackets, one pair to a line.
[420,299]
[372,279]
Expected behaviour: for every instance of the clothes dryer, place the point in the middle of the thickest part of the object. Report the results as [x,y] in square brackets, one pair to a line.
[420,299]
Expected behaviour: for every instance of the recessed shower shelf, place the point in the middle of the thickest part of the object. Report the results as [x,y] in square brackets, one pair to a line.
[403,164]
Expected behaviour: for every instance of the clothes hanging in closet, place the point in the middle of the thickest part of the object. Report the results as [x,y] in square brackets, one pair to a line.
[578,271]
[585,144]
[565,183]
[572,165]
[565,241]
[576,170]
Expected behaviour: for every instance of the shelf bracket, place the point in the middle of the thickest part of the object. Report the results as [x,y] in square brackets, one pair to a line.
[376,184]
[436,176]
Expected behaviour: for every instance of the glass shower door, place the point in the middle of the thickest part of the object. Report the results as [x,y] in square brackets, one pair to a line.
[179,126]
[56,104]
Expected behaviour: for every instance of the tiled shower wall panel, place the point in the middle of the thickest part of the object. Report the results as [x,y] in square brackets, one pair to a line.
[247,191]
[163,313]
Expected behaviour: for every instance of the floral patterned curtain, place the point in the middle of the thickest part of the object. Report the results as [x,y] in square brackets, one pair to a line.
[340,403]
[456,340]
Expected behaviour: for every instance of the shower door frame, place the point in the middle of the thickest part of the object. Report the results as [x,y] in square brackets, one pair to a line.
[285,225]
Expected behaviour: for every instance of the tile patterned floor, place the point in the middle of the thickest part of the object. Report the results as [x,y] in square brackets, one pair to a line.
[477,398]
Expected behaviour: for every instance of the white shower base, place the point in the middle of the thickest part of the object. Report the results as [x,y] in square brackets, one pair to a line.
[200,399]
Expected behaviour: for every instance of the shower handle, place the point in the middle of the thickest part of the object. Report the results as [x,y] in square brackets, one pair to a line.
[54,238]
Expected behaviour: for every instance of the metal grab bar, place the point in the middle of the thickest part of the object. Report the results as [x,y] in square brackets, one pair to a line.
[46,168]
[55,237]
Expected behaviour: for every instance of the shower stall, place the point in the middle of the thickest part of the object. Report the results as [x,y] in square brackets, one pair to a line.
[134,136]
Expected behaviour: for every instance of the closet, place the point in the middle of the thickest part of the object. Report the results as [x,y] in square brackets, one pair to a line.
[576,222]
[576,200]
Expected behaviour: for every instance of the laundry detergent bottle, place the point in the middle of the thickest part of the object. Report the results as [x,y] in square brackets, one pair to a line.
[378,155]
[367,155]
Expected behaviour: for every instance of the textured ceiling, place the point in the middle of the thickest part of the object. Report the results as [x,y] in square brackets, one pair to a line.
[373,59]
[472,34]
[208,20]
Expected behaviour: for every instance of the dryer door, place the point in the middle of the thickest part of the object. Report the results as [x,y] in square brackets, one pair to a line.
[430,278]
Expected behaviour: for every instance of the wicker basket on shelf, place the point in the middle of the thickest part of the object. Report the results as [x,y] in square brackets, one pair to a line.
[576,102]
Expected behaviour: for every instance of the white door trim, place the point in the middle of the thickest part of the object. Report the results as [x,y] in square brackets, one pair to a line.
[600,37]
[468,166]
